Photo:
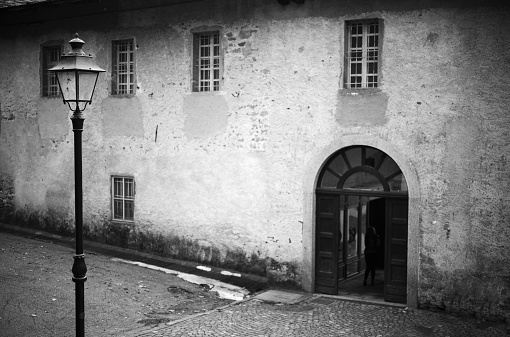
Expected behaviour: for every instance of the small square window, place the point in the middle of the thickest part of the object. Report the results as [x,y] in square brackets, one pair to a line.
[50,58]
[207,61]
[362,57]
[123,198]
[123,67]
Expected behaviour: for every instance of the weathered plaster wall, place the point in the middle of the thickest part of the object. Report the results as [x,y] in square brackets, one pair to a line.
[458,122]
[223,178]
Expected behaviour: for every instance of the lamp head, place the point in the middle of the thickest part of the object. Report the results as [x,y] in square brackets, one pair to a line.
[77,75]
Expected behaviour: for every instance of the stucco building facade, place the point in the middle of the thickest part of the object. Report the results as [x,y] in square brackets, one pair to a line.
[229,155]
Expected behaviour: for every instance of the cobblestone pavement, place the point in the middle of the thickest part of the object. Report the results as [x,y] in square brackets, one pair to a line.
[321,316]
[37,299]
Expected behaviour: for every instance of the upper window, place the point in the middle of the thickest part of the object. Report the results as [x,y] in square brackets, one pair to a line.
[50,58]
[207,61]
[123,67]
[123,198]
[362,54]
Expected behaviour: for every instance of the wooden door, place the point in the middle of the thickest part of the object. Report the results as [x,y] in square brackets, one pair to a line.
[326,245]
[395,283]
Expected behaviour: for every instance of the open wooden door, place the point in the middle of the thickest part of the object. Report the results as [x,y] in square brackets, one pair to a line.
[326,245]
[395,285]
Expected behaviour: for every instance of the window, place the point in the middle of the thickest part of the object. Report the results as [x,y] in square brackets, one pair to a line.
[206,61]
[50,58]
[123,198]
[362,56]
[123,67]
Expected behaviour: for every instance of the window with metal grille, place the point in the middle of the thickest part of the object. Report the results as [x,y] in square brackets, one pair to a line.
[362,66]
[206,61]
[123,198]
[50,58]
[123,68]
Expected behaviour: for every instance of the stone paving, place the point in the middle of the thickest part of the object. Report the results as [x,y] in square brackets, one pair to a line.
[324,316]
[269,313]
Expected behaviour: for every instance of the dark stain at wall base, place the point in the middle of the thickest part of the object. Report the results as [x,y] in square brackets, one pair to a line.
[126,235]
[6,197]
[51,221]
[233,259]
[463,293]
[282,274]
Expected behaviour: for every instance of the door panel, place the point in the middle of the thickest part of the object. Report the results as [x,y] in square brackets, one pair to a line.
[395,289]
[326,250]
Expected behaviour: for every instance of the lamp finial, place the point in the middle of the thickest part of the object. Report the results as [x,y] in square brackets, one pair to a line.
[76,45]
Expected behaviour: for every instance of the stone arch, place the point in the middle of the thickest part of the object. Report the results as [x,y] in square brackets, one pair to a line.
[314,167]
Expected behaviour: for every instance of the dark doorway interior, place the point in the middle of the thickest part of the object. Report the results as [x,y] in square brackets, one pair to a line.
[353,287]
[377,219]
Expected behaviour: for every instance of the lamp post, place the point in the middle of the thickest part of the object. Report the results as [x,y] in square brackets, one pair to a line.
[77,76]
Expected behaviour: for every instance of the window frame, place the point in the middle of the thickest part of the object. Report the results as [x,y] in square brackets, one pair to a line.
[47,76]
[131,85]
[122,198]
[197,79]
[365,84]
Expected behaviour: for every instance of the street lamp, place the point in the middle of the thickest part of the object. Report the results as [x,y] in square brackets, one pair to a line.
[77,75]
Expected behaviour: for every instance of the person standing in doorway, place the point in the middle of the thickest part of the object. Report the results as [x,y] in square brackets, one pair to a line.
[371,252]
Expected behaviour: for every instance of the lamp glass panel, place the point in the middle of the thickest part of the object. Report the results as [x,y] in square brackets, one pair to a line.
[87,84]
[67,82]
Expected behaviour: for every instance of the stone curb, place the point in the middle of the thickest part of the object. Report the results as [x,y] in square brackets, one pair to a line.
[365,301]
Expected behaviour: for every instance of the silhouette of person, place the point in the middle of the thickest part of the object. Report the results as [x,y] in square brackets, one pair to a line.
[371,251]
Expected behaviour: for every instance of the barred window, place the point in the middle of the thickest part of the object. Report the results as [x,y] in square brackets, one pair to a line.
[123,67]
[50,58]
[123,198]
[207,61]
[362,66]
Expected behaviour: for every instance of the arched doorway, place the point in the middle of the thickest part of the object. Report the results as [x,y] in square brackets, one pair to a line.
[361,186]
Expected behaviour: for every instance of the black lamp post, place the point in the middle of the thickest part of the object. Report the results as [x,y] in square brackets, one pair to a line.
[77,75]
